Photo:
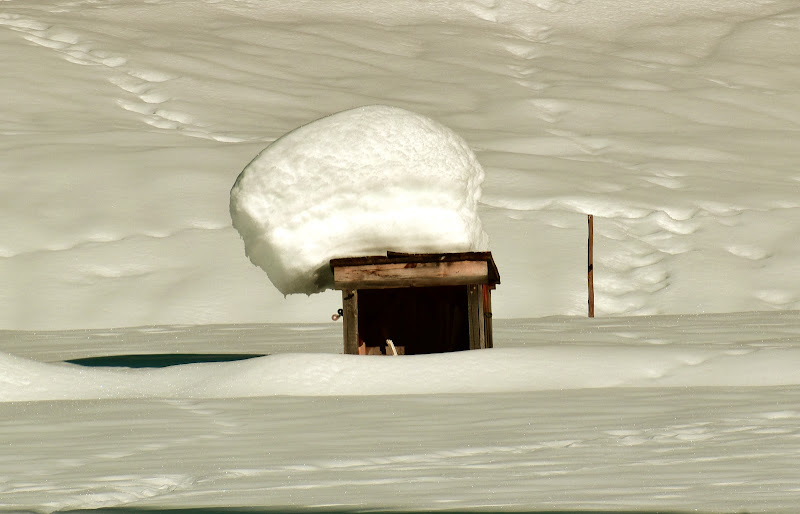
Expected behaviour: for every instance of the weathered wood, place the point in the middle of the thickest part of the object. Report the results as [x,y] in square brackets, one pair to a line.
[591,266]
[350,309]
[410,274]
[438,281]
[487,314]
[396,258]
[477,324]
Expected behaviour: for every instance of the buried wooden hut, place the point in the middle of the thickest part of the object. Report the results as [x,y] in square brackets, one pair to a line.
[422,303]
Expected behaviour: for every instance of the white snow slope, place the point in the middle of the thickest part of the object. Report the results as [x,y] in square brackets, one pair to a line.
[126,123]
[669,413]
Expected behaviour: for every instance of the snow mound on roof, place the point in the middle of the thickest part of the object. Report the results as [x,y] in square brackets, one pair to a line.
[359,182]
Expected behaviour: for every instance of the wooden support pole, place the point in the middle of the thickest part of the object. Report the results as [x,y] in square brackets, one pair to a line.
[350,309]
[591,266]
[477,321]
[487,314]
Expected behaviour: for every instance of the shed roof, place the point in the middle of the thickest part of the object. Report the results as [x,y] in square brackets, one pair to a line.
[397,269]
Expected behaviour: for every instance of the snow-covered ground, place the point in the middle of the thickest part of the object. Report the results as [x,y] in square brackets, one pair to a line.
[654,412]
[124,125]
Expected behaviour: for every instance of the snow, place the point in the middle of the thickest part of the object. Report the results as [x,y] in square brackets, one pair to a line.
[560,353]
[669,413]
[673,124]
[359,182]
[125,123]
[531,356]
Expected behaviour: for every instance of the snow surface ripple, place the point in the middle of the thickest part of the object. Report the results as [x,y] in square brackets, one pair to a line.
[675,125]
[534,355]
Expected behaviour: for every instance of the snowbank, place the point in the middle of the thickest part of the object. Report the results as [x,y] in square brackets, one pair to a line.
[565,414]
[359,182]
[507,370]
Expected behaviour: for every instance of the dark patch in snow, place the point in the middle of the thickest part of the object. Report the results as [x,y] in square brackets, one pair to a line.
[161,360]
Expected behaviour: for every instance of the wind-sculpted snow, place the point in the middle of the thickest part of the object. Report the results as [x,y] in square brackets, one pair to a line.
[660,413]
[355,183]
[478,372]
[748,350]
[125,123]
[674,124]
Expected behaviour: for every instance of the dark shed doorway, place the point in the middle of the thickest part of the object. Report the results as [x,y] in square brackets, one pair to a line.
[420,319]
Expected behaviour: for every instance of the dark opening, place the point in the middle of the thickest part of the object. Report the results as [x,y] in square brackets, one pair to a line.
[159,360]
[420,319]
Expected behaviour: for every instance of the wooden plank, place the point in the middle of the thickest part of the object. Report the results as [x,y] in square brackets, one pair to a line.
[350,309]
[477,326]
[412,257]
[396,257]
[481,317]
[487,314]
[410,274]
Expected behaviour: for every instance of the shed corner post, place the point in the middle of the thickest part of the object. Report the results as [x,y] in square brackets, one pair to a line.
[487,314]
[350,315]
[477,323]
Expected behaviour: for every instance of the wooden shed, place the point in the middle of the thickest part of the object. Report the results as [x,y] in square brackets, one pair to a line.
[423,303]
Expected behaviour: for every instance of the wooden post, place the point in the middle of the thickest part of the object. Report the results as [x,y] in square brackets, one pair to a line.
[487,314]
[477,321]
[350,309]
[591,266]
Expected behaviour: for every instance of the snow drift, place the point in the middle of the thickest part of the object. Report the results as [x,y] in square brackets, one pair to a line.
[359,182]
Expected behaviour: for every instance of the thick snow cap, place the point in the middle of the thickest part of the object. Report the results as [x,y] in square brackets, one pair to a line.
[359,182]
